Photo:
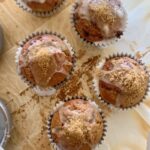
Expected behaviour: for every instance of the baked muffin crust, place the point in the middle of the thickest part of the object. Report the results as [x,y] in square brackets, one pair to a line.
[77,125]
[42,5]
[96,20]
[45,60]
[122,81]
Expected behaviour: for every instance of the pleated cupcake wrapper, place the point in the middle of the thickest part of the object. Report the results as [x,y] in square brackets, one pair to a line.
[101,44]
[26,8]
[39,90]
[96,87]
[58,106]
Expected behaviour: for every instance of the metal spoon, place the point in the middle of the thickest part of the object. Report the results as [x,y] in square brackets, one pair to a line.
[148,142]
[5,124]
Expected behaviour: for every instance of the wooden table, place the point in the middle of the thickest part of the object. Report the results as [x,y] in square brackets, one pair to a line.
[127,130]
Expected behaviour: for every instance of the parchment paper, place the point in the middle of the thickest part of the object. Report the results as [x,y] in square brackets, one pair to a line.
[127,130]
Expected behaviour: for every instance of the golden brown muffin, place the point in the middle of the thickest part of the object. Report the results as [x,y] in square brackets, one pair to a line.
[123,82]
[77,125]
[45,60]
[42,5]
[97,20]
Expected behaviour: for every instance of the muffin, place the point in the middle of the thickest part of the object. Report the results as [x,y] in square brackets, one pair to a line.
[42,5]
[98,20]
[122,81]
[45,60]
[77,125]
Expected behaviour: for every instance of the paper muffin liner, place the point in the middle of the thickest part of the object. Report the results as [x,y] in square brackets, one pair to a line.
[26,8]
[101,44]
[96,86]
[37,89]
[58,106]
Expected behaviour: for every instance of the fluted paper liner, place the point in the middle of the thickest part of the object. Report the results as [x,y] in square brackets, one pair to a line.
[39,90]
[101,44]
[58,106]
[26,8]
[96,87]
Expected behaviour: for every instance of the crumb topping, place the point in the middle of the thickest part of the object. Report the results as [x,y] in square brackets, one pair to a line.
[44,60]
[127,75]
[46,56]
[82,124]
[103,12]
[106,18]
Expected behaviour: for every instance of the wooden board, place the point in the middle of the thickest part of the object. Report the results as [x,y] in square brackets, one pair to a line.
[127,130]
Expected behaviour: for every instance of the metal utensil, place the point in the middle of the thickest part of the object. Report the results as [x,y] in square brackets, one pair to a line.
[5,124]
[148,142]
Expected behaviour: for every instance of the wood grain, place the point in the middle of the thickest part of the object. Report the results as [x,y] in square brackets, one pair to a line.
[30,112]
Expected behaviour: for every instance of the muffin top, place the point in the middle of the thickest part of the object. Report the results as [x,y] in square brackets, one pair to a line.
[108,16]
[126,77]
[42,5]
[77,125]
[38,1]
[45,60]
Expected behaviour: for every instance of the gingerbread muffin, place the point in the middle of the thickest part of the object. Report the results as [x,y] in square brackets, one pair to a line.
[122,81]
[45,60]
[97,20]
[77,125]
[42,5]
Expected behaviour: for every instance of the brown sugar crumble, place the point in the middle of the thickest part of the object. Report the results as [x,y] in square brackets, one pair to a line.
[45,61]
[73,86]
[80,123]
[100,19]
[104,12]
[129,78]
[23,92]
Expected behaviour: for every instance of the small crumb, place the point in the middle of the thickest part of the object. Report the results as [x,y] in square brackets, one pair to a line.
[138,55]
[7,92]
[24,91]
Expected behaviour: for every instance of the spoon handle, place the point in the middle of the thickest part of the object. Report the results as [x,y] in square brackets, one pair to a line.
[148,143]
[1,148]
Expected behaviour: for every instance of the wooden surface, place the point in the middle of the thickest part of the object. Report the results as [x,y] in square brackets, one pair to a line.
[127,130]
